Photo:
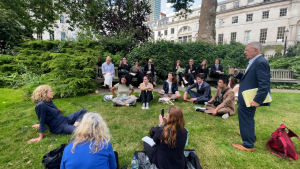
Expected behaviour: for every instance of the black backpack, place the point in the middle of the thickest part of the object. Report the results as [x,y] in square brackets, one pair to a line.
[52,159]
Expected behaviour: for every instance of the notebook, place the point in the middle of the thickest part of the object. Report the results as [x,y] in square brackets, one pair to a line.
[249,95]
[149,141]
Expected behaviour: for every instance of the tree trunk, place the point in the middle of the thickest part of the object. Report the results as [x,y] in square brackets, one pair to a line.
[207,21]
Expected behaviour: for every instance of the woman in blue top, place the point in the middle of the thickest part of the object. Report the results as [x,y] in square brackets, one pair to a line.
[170,88]
[90,146]
[48,114]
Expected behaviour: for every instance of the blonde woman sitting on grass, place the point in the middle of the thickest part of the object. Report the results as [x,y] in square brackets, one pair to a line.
[90,146]
[48,114]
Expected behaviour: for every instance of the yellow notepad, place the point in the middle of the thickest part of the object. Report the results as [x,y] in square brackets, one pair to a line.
[249,95]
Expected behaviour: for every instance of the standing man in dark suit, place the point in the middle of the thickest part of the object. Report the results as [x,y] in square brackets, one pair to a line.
[203,93]
[257,75]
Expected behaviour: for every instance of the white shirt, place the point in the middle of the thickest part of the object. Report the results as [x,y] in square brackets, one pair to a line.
[200,85]
[251,61]
[170,87]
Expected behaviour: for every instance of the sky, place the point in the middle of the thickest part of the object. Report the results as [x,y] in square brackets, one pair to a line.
[166,7]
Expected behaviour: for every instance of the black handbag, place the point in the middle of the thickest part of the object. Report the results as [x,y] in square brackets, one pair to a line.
[52,159]
[217,101]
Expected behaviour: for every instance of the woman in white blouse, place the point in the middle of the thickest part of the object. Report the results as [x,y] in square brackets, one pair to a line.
[108,72]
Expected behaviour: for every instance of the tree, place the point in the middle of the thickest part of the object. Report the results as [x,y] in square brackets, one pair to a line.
[109,18]
[207,21]
[11,31]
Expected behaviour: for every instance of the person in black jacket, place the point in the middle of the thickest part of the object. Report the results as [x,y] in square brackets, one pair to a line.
[170,88]
[48,114]
[170,141]
[203,93]
[180,74]
[203,69]
[216,70]
[190,72]
[149,70]
[124,68]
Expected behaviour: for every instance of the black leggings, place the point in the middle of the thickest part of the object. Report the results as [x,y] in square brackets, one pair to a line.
[146,96]
[181,75]
[190,78]
[139,77]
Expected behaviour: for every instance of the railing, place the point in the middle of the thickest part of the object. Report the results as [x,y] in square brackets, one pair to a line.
[278,73]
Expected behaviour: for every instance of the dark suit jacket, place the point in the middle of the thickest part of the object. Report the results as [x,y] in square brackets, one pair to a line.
[174,87]
[193,69]
[127,67]
[257,76]
[213,68]
[200,70]
[146,69]
[205,90]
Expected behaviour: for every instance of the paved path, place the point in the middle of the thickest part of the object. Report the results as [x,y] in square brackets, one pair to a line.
[159,87]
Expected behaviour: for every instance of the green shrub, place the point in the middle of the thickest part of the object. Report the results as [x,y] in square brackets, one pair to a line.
[293,51]
[165,54]
[285,86]
[291,63]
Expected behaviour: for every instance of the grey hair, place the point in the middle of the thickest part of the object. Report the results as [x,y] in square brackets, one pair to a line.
[256,45]
[108,57]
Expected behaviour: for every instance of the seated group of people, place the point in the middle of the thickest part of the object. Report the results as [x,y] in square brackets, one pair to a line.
[126,69]
[90,145]
[187,75]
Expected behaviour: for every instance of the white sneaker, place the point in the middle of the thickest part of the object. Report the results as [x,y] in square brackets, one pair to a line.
[182,86]
[143,108]
[225,116]
[186,82]
[147,106]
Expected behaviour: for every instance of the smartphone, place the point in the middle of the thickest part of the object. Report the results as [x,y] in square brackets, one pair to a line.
[162,112]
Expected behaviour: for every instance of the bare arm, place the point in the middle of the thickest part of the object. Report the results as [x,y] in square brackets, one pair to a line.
[132,90]
[146,88]
[113,91]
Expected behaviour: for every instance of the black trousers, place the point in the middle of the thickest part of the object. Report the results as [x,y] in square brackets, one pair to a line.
[216,75]
[181,75]
[190,78]
[146,96]
[149,150]
[139,77]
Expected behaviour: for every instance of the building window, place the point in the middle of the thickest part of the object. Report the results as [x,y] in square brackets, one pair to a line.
[249,17]
[159,33]
[250,2]
[62,19]
[166,32]
[236,5]
[298,39]
[220,39]
[51,34]
[223,8]
[283,12]
[280,34]
[40,36]
[233,36]
[266,0]
[221,22]
[235,19]
[247,37]
[180,39]
[172,19]
[63,36]
[263,36]
[172,41]
[265,14]
[172,31]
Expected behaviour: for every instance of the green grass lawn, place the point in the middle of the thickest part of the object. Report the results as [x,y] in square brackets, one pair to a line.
[210,136]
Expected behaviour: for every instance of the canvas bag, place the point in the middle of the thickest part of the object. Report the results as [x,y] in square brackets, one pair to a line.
[281,142]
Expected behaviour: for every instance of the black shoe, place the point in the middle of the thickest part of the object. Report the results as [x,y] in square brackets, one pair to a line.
[132,105]
[115,105]
[201,109]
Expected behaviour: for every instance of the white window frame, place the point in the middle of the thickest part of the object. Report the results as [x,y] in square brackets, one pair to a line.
[235,19]
[220,39]
[280,33]
[39,36]
[233,36]
[283,12]
[222,8]
[236,5]
[263,35]
[247,37]
[250,2]
[249,17]
[265,14]
[221,22]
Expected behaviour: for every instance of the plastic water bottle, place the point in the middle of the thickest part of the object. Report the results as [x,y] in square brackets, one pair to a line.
[134,163]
